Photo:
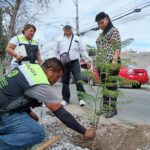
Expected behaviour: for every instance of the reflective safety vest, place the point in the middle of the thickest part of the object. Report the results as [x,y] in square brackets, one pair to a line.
[31,48]
[16,82]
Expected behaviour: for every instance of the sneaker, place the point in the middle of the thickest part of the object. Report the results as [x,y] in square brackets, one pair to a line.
[64,103]
[82,103]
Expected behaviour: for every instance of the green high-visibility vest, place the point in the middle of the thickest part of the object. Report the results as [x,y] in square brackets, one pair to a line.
[34,74]
[23,40]
[16,82]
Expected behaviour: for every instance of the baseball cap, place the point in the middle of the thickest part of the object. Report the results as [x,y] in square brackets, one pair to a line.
[67,27]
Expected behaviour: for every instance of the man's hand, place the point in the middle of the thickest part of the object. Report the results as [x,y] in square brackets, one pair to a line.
[34,116]
[90,133]
[88,65]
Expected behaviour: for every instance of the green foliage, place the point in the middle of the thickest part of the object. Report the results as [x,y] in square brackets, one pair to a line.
[126,42]
[110,93]
[86,96]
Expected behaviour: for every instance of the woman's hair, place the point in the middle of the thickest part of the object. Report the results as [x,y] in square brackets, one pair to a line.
[54,63]
[28,26]
[101,16]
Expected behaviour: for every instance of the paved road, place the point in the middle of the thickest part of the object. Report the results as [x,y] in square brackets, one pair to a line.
[138,111]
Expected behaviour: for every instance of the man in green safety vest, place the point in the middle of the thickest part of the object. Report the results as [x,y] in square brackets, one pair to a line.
[26,87]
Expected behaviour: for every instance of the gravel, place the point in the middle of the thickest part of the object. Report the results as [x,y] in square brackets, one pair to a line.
[54,127]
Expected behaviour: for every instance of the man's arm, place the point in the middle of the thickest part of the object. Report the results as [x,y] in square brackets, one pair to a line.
[69,120]
[46,94]
[84,54]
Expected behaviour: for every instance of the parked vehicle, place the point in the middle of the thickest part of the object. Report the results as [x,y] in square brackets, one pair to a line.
[137,76]
[132,73]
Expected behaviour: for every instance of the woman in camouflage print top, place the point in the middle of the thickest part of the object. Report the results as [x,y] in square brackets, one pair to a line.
[109,46]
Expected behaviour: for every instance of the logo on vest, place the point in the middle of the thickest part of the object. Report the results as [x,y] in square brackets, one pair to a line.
[32,70]
[12,73]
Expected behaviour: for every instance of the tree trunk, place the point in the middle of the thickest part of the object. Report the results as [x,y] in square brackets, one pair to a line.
[11,30]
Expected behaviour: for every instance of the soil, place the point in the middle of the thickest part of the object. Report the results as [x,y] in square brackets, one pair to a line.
[111,134]
[118,137]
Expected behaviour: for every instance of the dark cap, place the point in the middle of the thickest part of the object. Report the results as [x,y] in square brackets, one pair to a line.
[67,27]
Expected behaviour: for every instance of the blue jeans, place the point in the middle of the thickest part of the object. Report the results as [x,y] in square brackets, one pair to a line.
[19,131]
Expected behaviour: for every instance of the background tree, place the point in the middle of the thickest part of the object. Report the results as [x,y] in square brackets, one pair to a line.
[17,13]
[3,42]
[3,38]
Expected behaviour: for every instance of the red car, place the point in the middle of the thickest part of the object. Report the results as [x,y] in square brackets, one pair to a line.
[131,73]
[138,76]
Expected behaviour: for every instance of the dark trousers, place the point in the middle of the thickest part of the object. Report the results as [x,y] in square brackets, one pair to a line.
[109,103]
[74,68]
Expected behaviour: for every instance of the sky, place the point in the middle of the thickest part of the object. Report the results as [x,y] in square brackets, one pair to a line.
[134,26]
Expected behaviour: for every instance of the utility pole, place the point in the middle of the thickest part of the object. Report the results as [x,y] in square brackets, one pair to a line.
[77,16]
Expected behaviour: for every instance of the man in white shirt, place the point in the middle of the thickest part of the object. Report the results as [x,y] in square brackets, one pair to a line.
[76,49]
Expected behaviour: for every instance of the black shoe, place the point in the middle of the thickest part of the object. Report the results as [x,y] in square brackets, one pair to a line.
[111,113]
[104,111]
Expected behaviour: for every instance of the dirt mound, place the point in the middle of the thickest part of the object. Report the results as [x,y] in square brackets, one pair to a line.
[112,134]
[118,137]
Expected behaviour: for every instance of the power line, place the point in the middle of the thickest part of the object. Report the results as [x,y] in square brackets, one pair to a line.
[125,7]
[51,24]
[135,6]
[124,15]
[127,10]
[131,18]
